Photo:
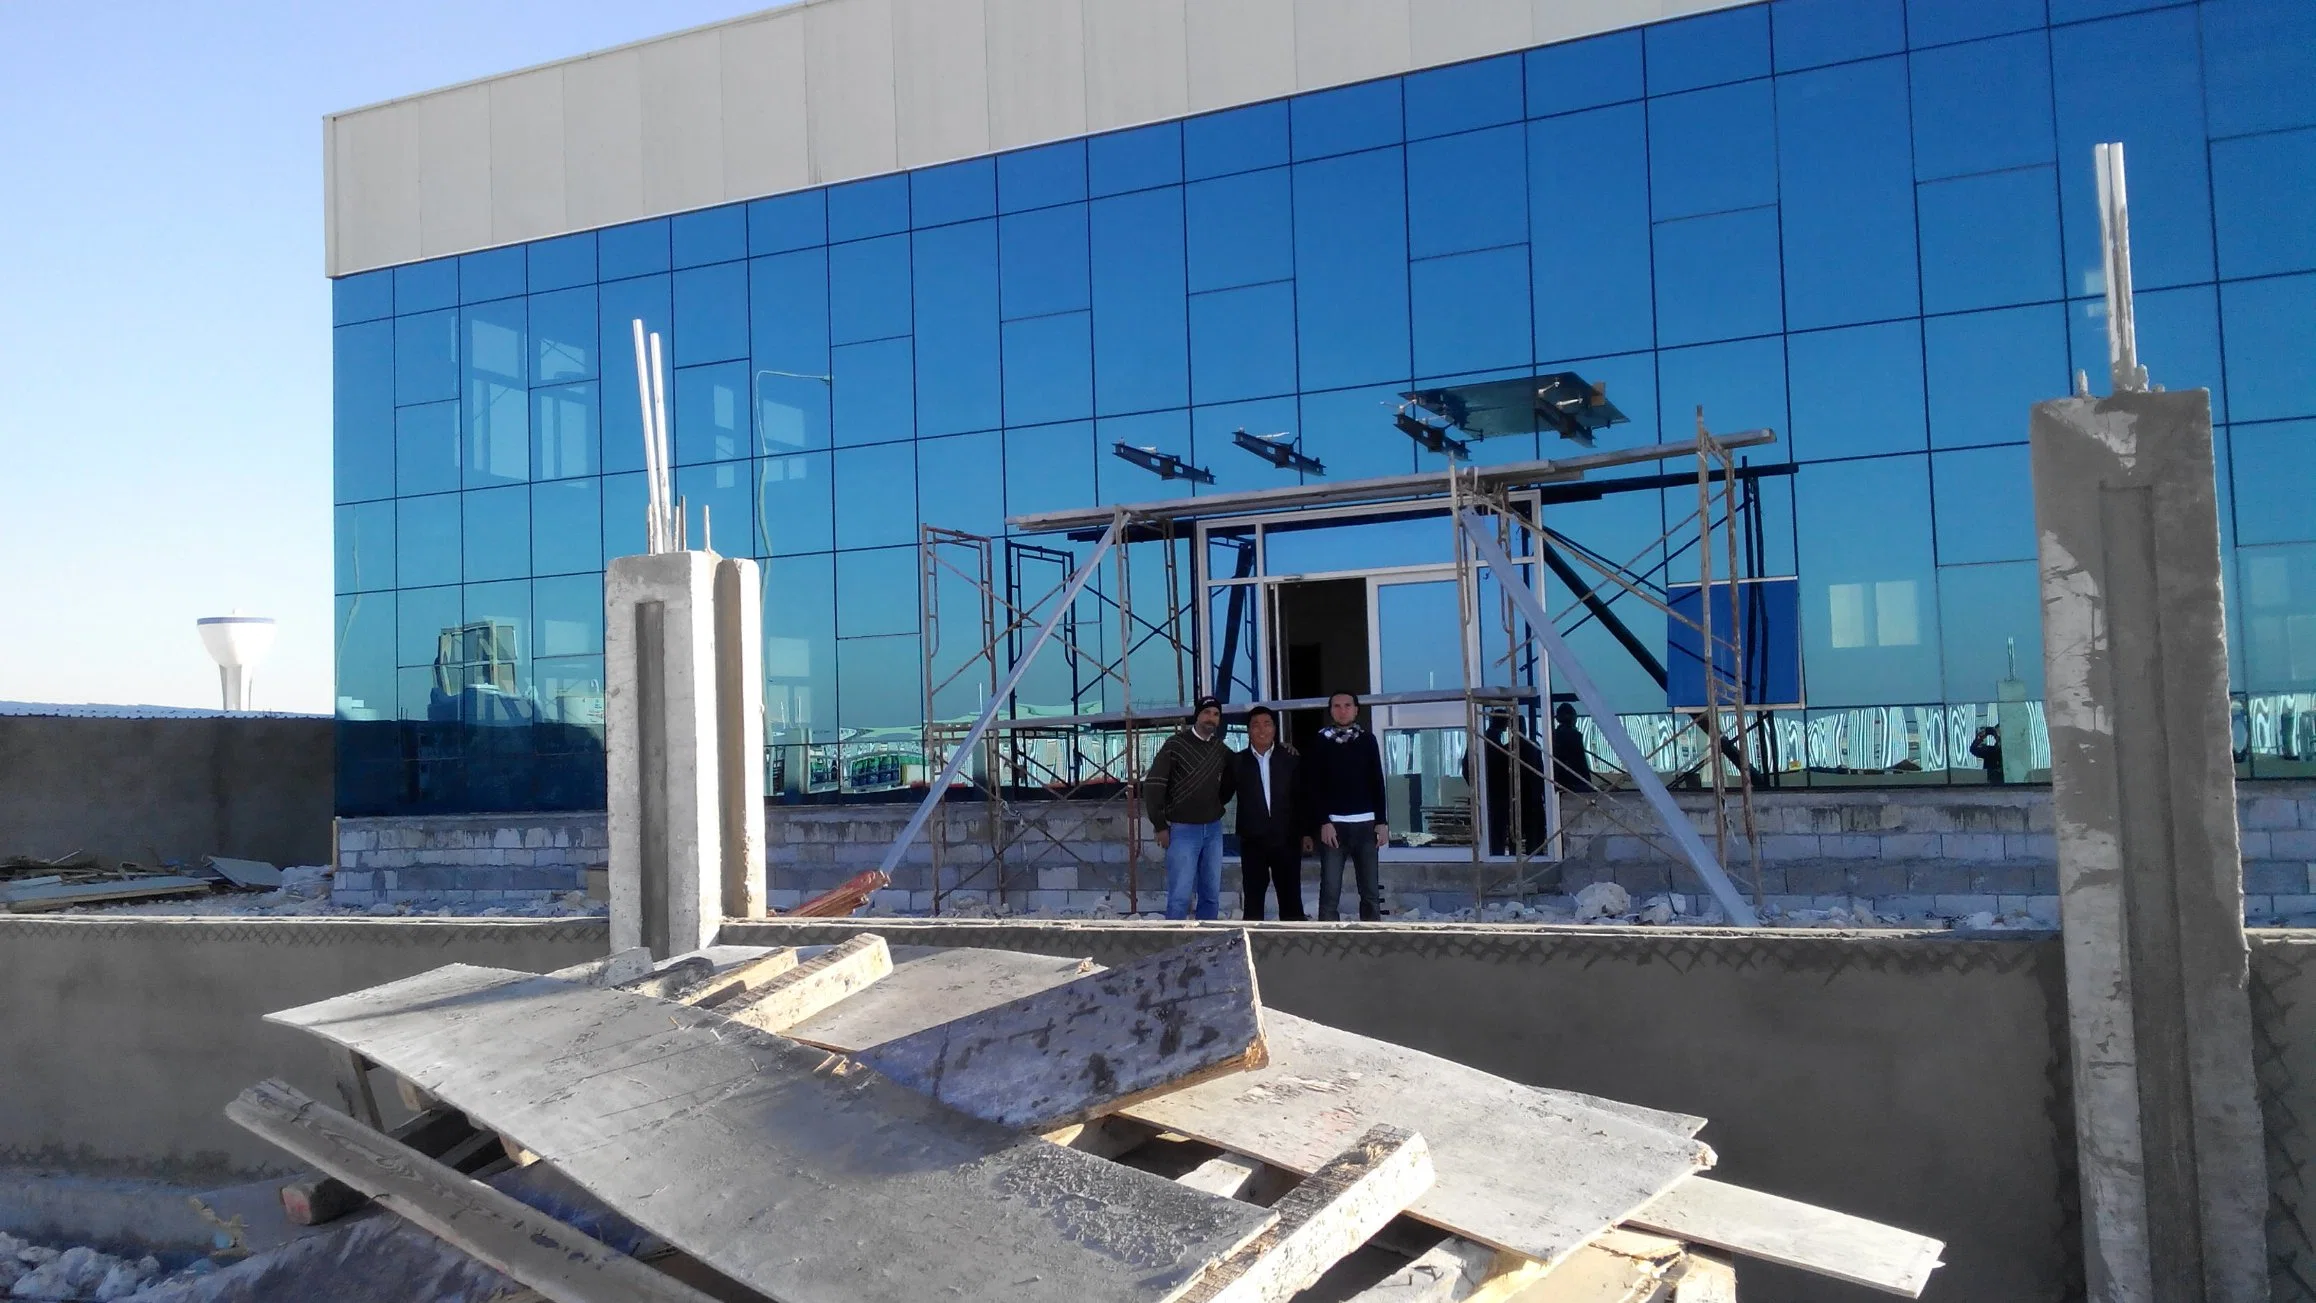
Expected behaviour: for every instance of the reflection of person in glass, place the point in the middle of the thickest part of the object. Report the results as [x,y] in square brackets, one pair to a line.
[1571,758]
[1499,755]
[1987,746]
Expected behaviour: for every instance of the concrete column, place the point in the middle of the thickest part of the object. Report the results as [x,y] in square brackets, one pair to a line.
[2135,663]
[740,733]
[663,738]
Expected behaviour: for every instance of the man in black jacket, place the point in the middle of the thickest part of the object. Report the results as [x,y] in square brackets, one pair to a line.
[1185,790]
[1343,793]
[1271,838]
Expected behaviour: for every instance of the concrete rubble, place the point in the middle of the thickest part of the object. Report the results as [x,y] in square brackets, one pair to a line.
[84,1274]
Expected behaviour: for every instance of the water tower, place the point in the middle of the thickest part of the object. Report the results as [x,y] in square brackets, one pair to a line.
[237,643]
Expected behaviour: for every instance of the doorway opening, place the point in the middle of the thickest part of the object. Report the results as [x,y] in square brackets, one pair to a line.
[1323,634]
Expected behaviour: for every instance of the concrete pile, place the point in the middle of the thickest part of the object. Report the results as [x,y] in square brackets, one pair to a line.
[82,1274]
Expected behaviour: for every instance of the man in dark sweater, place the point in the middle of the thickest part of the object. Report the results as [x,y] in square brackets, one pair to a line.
[1343,793]
[1271,836]
[1186,788]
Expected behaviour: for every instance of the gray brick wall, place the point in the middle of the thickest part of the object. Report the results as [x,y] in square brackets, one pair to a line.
[477,859]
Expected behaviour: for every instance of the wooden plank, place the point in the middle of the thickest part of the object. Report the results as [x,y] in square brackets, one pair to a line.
[800,1174]
[1094,1045]
[730,983]
[1104,1137]
[1456,1270]
[354,1088]
[558,1261]
[1795,1235]
[1323,1220]
[64,895]
[318,1199]
[1227,1176]
[1705,1279]
[823,980]
[1532,1171]
[1608,1272]
[611,970]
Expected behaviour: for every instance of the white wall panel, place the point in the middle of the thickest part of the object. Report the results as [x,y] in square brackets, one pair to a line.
[453,143]
[1338,41]
[603,139]
[526,144]
[766,149]
[1137,62]
[1449,31]
[848,79]
[683,122]
[941,89]
[376,175]
[1037,71]
[1240,51]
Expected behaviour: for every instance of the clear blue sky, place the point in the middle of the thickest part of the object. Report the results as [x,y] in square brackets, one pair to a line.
[164,320]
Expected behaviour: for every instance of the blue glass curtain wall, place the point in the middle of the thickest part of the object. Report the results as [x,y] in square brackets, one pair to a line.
[1869,226]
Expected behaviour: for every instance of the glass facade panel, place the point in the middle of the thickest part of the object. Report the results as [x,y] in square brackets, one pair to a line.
[1712,151]
[786,222]
[1042,261]
[497,533]
[1584,74]
[1239,229]
[1487,173]
[364,535]
[719,502]
[1983,107]
[566,527]
[1990,240]
[498,401]
[1346,120]
[1471,311]
[711,235]
[2269,330]
[426,448]
[873,396]
[2138,80]
[2274,504]
[788,332]
[1134,160]
[1049,369]
[1809,33]
[868,290]
[1037,178]
[1988,369]
[563,262]
[2264,193]
[637,249]
[1717,277]
[426,541]
[876,496]
[1868,582]
[956,329]
[1483,93]
[711,314]
[362,411]
[1351,261]
[1722,47]
[1239,140]
[491,274]
[426,357]
[795,506]
[968,475]
[623,303]
[566,432]
[1591,254]
[1857,392]
[1141,319]
[878,206]
[1242,343]
[1847,195]
[710,417]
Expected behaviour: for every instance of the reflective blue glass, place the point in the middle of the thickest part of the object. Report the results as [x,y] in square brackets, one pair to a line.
[2179,340]
[794,503]
[1043,261]
[874,398]
[1990,240]
[711,314]
[876,591]
[956,329]
[566,526]
[1712,151]
[1584,74]
[1990,620]
[2259,59]
[882,682]
[1351,431]
[1239,140]
[1141,318]
[566,433]
[958,192]
[1809,33]
[362,411]
[562,262]
[1857,392]
[1482,179]
[366,296]
[1847,195]
[1868,583]
[1240,229]
[1593,280]
[719,502]
[709,420]
[425,286]
[1117,480]
[364,536]
[1049,369]
[426,540]
[859,209]
[1035,178]
[637,249]
[1351,269]
[426,357]
[1728,46]
[2072,11]
[1234,468]
[624,302]
[1049,468]
[2264,193]
[1471,311]
[2279,596]
[785,222]
[567,616]
[2269,328]
[1985,505]
[1134,160]
[625,499]
[710,235]
[799,647]
[1717,277]
[1483,93]
[2137,80]
[498,402]
[1344,120]
[1988,369]
[423,616]
[1983,107]
[365,655]
[492,274]
[497,533]
[426,448]
[563,336]
[1740,385]
[788,328]
[507,605]
[868,289]
[2275,467]
[1242,343]
[1631,382]
[1937,22]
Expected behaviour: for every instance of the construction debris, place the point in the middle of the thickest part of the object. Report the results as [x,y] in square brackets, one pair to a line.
[256,875]
[852,1124]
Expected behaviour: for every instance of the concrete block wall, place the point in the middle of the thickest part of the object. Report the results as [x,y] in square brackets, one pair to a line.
[466,859]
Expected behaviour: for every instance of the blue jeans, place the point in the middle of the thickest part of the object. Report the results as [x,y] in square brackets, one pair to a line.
[1194,859]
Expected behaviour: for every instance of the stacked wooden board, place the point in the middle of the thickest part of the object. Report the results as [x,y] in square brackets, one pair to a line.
[833,1125]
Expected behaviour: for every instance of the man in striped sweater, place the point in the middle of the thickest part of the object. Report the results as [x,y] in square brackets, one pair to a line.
[1185,790]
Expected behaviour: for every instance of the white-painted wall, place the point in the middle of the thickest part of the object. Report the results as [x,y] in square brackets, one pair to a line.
[832,90]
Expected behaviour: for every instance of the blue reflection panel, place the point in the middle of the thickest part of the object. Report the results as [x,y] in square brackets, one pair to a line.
[426,357]
[567,616]
[2137,80]
[1712,151]
[2179,340]
[1764,617]
[1868,582]
[711,314]
[1809,33]
[1124,161]
[364,537]
[785,222]
[425,286]
[566,527]
[1342,121]
[2259,59]
[1141,317]
[1584,74]
[1483,93]
[362,411]
[426,448]
[1043,261]
[365,296]
[426,540]
[1990,621]
[1987,370]
[1857,392]
[1938,22]
[1985,505]
[1036,178]
[874,398]
[1717,277]
[1471,311]
[565,344]
[1983,107]
[491,274]
[1740,385]
[2275,467]
[497,402]
[710,235]
[795,505]
[625,499]
[1471,192]
[1990,240]
[1588,214]
[624,302]
[1049,369]
[719,504]
[1706,51]
[788,328]
[1240,229]
[799,647]
[868,289]
[2269,327]
[1242,343]
[1238,140]
[637,249]
[423,615]
[1848,195]
[566,432]
[497,534]
[876,592]
[1351,269]
[1049,468]
[710,417]
[562,262]
[958,192]
[2264,192]
[878,206]
[956,328]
